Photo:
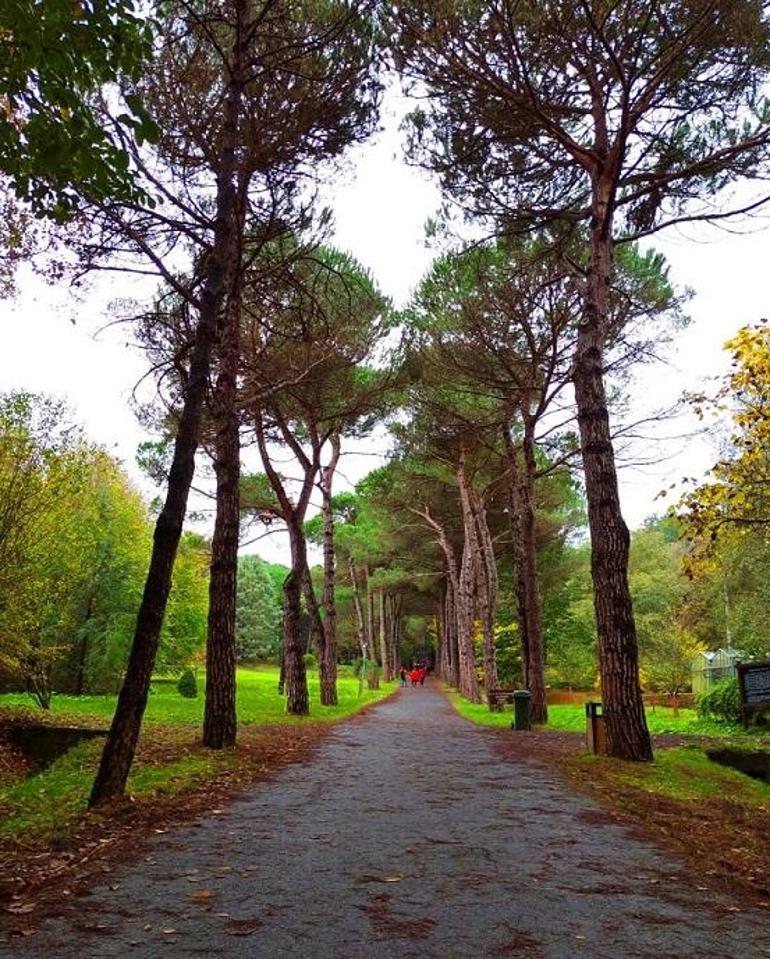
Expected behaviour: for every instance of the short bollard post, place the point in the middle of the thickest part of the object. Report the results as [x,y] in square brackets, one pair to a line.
[521,713]
[596,740]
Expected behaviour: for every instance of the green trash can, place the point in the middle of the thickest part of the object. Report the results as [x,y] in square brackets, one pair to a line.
[521,711]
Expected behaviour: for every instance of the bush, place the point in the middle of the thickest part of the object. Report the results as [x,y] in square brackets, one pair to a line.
[373,671]
[188,685]
[310,661]
[721,702]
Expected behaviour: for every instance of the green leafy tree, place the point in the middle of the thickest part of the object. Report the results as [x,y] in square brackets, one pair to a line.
[259,610]
[616,119]
[55,59]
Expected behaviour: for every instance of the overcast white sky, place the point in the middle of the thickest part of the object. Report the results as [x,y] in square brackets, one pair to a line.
[380,207]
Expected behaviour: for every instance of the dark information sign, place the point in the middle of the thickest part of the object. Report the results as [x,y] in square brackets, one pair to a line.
[754,684]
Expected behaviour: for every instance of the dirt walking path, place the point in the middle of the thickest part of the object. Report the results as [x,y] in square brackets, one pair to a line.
[406,836]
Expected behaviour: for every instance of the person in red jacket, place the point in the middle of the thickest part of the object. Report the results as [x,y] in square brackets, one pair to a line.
[423,674]
[415,675]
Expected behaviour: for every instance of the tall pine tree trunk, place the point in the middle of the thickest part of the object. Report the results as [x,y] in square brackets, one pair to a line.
[538,706]
[394,639]
[359,610]
[466,593]
[487,568]
[438,625]
[219,719]
[468,683]
[387,673]
[625,722]
[119,749]
[452,669]
[328,661]
[523,532]
[369,616]
[297,700]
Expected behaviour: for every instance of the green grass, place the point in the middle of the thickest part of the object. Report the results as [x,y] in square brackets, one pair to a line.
[686,774]
[660,720]
[49,803]
[257,701]
[49,807]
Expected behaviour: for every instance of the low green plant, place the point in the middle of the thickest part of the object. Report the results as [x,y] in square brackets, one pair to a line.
[721,702]
[310,661]
[188,685]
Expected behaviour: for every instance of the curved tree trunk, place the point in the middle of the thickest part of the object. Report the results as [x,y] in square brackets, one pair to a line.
[625,721]
[118,753]
[294,643]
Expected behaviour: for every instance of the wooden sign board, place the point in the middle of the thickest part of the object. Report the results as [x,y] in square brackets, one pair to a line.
[754,686]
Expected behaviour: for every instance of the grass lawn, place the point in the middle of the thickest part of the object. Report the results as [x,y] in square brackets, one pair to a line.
[43,817]
[660,719]
[257,701]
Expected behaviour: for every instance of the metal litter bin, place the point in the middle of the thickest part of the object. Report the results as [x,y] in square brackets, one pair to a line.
[521,710]
[596,737]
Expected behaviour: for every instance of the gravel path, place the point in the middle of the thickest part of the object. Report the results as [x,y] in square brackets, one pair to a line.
[405,836]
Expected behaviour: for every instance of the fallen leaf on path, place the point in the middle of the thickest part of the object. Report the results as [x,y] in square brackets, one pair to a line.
[243,927]
[19,908]
[201,894]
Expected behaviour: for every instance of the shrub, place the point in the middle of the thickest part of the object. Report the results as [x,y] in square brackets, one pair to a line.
[721,702]
[310,661]
[373,671]
[188,685]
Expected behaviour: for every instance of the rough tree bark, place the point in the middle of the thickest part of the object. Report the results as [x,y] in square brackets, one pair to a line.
[438,623]
[464,602]
[452,670]
[328,660]
[487,572]
[369,596]
[120,746]
[387,673]
[523,518]
[481,583]
[297,699]
[219,719]
[359,610]
[625,722]
[393,622]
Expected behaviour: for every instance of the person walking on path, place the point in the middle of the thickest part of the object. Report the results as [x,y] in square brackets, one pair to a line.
[403,674]
[415,676]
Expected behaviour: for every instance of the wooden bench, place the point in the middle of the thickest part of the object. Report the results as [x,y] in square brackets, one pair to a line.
[499,697]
